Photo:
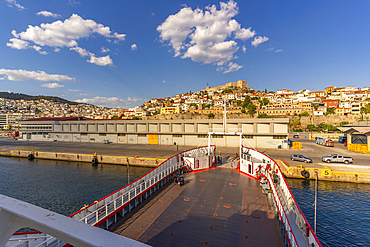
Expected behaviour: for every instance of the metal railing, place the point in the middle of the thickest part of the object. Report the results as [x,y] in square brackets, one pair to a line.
[281,199]
[100,210]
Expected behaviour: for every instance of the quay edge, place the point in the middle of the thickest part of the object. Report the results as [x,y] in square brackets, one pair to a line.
[324,174]
[105,159]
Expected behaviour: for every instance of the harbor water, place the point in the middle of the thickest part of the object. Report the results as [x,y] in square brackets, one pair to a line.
[343,209]
[61,186]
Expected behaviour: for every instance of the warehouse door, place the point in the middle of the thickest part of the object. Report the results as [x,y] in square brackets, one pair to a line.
[153,139]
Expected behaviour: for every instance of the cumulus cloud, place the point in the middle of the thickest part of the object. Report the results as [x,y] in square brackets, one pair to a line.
[74,90]
[13,3]
[133,47]
[52,85]
[73,2]
[104,49]
[230,67]
[258,40]
[61,34]
[280,50]
[42,76]
[205,36]
[48,14]
[101,61]
[244,48]
[111,101]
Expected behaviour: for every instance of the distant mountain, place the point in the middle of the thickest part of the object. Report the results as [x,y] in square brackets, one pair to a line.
[18,96]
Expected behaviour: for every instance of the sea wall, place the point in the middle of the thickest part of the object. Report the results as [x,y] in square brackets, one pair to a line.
[323,174]
[120,160]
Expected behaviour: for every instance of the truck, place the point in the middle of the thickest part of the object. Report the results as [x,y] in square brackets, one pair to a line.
[342,139]
[324,141]
[337,158]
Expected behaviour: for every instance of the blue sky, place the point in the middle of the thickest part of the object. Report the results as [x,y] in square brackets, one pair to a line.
[122,53]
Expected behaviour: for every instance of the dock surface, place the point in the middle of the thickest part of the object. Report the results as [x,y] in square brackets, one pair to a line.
[216,207]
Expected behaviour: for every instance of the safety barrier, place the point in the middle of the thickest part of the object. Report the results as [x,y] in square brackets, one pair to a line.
[290,215]
[125,199]
[297,145]
[133,194]
[359,148]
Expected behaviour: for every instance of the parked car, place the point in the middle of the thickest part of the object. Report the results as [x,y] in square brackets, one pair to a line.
[299,157]
[295,136]
[337,158]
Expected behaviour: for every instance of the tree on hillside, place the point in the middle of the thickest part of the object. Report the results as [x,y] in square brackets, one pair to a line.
[211,115]
[263,115]
[247,101]
[251,109]
[304,114]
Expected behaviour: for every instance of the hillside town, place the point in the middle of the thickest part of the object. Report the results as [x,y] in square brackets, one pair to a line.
[237,97]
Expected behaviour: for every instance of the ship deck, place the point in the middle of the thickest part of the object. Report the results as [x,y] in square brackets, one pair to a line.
[217,207]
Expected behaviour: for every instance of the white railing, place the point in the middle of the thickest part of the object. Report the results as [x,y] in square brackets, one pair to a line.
[225,130]
[99,211]
[297,229]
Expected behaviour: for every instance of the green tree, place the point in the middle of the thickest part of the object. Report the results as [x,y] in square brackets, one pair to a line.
[251,109]
[263,115]
[297,122]
[305,114]
[193,104]
[330,110]
[211,115]
[247,101]
[135,118]
[226,91]
[243,110]
[311,127]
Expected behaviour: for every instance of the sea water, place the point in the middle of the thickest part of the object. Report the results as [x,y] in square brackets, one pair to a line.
[343,210]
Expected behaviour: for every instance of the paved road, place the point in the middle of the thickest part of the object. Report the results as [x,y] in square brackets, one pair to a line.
[309,149]
[130,150]
[314,151]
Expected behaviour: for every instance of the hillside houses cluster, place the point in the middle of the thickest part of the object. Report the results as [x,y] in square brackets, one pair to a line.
[12,111]
[334,100]
[340,101]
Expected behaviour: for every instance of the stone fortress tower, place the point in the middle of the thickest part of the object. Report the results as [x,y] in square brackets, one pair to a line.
[240,84]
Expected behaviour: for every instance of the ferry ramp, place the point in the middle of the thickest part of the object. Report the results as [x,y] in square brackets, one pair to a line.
[216,207]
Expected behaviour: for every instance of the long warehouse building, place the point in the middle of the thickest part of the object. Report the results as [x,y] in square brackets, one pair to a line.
[256,133]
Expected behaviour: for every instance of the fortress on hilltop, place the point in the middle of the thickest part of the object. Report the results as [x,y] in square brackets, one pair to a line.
[240,84]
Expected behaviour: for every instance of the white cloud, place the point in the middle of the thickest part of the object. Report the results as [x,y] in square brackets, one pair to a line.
[74,90]
[81,51]
[23,75]
[48,14]
[61,34]
[244,48]
[13,3]
[280,50]
[83,94]
[56,49]
[104,49]
[259,40]
[2,78]
[232,67]
[134,47]
[73,2]
[129,99]
[164,81]
[109,101]
[52,85]
[205,36]
[101,61]
[270,48]
[21,44]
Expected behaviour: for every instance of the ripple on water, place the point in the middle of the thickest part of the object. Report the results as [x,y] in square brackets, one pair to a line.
[342,210]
